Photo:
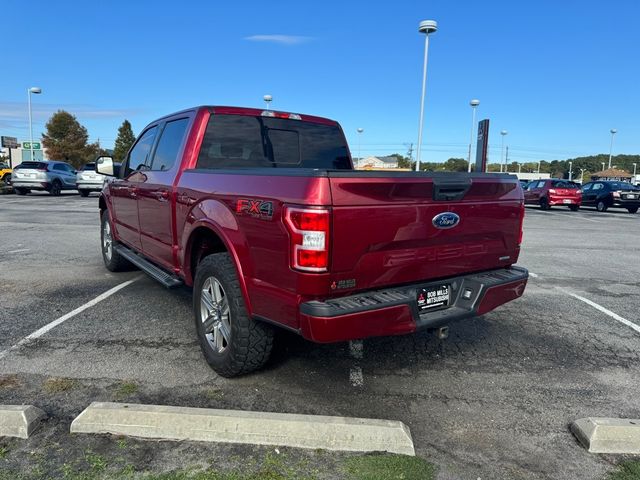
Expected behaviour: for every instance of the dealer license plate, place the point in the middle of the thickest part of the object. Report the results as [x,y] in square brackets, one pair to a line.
[566,200]
[432,298]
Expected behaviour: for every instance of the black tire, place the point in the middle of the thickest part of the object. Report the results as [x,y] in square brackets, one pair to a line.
[601,206]
[6,180]
[632,209]
[251,342]
[574,208]
[114,262]
[56,188]
[21,191]
[544,203]
[84,193]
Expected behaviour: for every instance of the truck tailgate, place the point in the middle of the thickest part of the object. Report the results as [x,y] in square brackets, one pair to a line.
[384,233]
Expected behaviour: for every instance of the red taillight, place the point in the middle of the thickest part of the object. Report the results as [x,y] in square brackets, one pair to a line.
[309,234]
[521,235]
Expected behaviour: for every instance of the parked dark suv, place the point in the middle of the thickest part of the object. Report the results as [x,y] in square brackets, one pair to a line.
[606,194]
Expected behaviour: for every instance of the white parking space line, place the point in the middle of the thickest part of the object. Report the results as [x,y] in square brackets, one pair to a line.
[602,309]
[18,251]
[41,331]
[533,275]
[355,376]
[356,351]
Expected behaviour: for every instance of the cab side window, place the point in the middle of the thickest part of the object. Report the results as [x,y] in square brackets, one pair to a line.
[170,144]
[598,186]
[141,151]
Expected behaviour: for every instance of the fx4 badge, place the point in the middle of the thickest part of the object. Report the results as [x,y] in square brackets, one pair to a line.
[255,208]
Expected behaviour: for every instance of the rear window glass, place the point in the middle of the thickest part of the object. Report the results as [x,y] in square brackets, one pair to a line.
[237,141]
[563,184]
[35,165]
[622,186]
[89,167]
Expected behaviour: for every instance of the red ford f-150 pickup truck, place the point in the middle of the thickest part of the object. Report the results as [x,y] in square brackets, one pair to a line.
[263,215]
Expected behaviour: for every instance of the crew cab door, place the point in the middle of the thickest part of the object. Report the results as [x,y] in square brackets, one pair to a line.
[156,199]
[124,190]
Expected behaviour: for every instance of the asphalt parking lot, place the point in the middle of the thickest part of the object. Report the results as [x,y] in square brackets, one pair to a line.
[492,401]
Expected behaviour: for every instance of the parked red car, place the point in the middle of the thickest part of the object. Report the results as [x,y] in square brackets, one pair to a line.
[263,215]
[551,192]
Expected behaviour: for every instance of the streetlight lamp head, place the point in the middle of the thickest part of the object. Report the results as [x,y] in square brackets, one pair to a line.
[35,90]
[267,98]
[503,132]
[360,130]
[474,102]
[428,26]
[614,131]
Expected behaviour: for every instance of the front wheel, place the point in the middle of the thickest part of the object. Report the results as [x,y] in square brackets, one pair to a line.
[21,191]
[574,208]
[84,193]
[601,206]
[112,259]
[231,341]
[632,209]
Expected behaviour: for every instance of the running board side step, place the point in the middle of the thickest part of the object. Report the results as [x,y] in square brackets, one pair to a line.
[165,278]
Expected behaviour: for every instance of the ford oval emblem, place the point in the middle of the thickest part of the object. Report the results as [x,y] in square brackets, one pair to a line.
[445,220]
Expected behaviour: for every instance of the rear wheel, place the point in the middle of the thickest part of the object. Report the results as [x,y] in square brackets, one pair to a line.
[632,209]
[544,203]
[56,188]
[112,259]
[601,206]
[21,191]
[5,179]
[574,208]
[231,341]
[84,193]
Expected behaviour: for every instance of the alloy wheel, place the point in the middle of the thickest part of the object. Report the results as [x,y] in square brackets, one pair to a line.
[215,315]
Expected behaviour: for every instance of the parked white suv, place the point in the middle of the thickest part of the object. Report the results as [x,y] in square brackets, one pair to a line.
[88,180]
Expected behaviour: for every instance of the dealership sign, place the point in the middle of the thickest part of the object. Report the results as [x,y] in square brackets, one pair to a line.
[29,145]
[9,142]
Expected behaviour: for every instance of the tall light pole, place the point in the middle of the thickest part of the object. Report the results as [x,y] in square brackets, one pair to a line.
[603,166]
[539,162]
[634,169]
[36,90]
[359,130]
[519,168]
[474,104]
[582,175]
[613,132]
[267,100]
[427,27]
[570,171]
[502,159]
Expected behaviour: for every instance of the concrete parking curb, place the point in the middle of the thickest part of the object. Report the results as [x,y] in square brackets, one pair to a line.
[608,435]
[19,420]
[233,426]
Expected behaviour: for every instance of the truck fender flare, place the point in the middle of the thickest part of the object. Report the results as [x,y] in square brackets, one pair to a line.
[223,234]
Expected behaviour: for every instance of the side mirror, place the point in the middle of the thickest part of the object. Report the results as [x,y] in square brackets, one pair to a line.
[105,166]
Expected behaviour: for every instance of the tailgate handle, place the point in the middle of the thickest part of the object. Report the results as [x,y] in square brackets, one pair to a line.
[450,189]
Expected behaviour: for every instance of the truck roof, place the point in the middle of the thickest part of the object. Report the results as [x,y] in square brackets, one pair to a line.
[254,112]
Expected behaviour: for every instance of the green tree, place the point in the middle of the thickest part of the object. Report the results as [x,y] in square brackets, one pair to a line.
[124,141]
[66,139]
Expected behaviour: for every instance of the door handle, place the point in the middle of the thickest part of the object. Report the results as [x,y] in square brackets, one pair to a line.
[133,192]
[162,195]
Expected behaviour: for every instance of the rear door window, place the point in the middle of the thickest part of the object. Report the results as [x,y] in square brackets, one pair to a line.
[170,144]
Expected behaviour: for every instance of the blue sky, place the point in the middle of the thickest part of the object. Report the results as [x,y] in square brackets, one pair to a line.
[556,74]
